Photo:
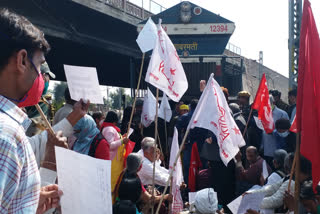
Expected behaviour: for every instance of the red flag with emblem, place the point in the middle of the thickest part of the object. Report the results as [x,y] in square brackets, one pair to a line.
[262,104]
[165,70]
[308,99]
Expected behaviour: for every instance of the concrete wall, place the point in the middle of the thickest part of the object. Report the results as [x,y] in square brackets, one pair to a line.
[250,77]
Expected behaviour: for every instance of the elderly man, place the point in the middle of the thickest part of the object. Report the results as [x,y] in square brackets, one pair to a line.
[278,163]
[251,175]
[146,172]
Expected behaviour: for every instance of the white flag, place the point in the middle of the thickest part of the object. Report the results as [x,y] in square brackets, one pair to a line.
[165,110]
[148,36]
[177,176]
[149,109]
[165,70]
[213,113]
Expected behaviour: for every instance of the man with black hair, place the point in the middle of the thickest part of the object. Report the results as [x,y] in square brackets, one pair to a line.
[278,101]
[23,47]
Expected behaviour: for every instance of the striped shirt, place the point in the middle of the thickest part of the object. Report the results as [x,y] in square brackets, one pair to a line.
[19,175]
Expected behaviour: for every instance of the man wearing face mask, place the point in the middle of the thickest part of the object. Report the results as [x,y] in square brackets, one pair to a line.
[23,47]
[269,141]
[38,124]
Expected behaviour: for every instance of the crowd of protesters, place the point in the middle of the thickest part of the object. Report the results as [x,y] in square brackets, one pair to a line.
[28,169]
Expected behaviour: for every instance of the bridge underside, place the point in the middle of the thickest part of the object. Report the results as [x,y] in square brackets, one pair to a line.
[84,37]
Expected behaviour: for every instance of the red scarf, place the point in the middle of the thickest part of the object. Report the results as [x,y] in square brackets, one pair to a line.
[105,124]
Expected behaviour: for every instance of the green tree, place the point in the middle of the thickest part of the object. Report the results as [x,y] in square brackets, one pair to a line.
[116,98]
[58,91]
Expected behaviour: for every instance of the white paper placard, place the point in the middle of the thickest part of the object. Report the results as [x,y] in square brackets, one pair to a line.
[85,183]
[83,83]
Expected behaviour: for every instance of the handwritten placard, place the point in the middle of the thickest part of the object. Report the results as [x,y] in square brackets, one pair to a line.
[83,83]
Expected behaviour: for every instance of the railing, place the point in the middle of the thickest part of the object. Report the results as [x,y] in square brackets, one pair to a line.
[136,8]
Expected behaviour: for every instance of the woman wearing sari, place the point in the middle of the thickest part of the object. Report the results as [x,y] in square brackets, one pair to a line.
[117,143]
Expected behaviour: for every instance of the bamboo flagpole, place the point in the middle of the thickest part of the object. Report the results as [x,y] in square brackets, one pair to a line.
[136,94]
[155,149]
[45,119]
[173,167]
[297,175]
[246,128]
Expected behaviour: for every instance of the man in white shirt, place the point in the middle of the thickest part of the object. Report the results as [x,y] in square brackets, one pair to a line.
[146,172]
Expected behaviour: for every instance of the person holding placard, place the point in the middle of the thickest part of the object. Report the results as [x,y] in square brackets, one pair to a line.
[23,49]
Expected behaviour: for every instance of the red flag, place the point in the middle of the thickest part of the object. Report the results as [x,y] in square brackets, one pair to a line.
[129,148]
[308,99]
[195,165]
[293,127]
[262,104]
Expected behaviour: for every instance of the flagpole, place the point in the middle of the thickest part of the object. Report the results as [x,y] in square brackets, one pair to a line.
[136,94]
[297,175]
[245,129]
[165,131]
[45,119]
[170,204]
[173,167]
[155,150]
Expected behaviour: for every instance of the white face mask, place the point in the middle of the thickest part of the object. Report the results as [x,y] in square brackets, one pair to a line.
[100,123]
[284,134]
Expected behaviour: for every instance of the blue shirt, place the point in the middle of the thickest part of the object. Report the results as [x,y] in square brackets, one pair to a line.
[19,175]
[269,141]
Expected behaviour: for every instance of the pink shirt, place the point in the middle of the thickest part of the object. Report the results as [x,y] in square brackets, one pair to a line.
[113,138]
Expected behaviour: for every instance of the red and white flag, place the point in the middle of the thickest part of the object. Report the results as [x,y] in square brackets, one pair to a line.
[177,176]
[293,127]
[148,109]
[262,104]
[213,113]
[165,70]
[165,110]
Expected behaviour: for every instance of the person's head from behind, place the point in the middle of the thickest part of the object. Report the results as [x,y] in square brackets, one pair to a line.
[148,147]
[252,154]
[206,201]
[23,49]
[292,96]
[98,118]
[243,99]
[278,159]
[124,207]
[112,117]
[282,126]
[127,113]
[134,163]
[184,109]
[288,163]
[130,189]
[309,199]
[305,169]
